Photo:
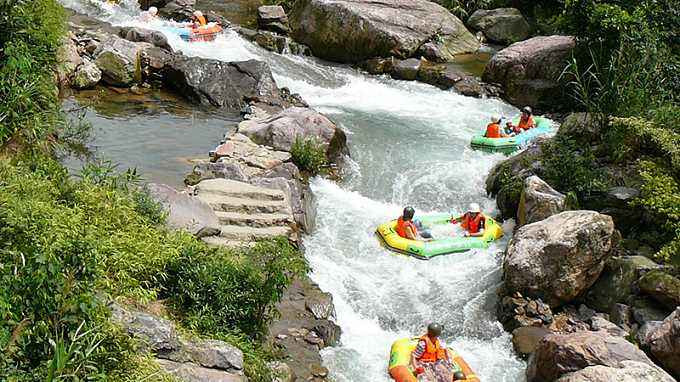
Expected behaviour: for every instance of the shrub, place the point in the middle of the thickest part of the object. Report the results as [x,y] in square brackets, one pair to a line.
[308,154]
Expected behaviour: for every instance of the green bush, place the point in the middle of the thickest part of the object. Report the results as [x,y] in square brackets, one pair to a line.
[309,155]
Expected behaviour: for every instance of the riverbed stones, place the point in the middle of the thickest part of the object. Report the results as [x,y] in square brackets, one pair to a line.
[281,130]
[227,85]
[86,76]
[529,71]
[500,25]
[559,258]
[625,371]
[663,287]
[185,211]
[355,30]
[272,18]
[664,342]
[559,354]
[120,62]
[538,201]
[518,311]
[406,69]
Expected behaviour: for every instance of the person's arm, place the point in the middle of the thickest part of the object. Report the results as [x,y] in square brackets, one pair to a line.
[410,234]
[417,353]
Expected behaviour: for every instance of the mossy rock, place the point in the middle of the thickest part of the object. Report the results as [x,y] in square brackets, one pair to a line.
[662,287]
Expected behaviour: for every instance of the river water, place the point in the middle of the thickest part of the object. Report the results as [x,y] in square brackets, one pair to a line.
[410,146]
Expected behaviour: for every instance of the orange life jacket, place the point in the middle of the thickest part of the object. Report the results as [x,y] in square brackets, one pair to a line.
[493,130]
[472,225]
[401,227]
[200,21]
[526,124]
[433,350]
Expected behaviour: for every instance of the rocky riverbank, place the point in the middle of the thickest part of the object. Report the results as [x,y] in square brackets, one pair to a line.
[584,303]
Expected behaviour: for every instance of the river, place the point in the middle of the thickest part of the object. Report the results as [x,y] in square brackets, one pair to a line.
[410,146]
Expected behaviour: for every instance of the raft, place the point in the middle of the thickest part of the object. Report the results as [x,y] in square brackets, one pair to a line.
[204,33]
[428,249]
[511,144]
[400,359]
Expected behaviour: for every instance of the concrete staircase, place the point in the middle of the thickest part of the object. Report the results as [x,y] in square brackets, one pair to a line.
[246,212]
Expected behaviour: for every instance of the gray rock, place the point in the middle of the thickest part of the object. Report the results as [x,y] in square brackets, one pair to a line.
[538,201]
[320,304]
[518,311]
[406,69]
[157,334]
[559,258]
[644,334]
[228,85]
[663,287]
[67,61]
[271,41]
[188,372]
[86,76]
[212,354]
[120,61]
[622,315]
[526,338]
[598,323]
[664,342]
[501,25]
[355,30]
[559,354]
[645,311]
[282,372]
[185,211]
[272,17]
[529,71]
[136,34]
[626,371]
[281,130]
[582,127]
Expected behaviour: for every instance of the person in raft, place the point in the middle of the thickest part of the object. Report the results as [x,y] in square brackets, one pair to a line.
[198,20]
[472,221]
[149,14]
[408,229]
[493,129]
[526,122]
[431,358]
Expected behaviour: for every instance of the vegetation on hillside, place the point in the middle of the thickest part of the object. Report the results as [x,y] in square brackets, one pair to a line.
[69,246]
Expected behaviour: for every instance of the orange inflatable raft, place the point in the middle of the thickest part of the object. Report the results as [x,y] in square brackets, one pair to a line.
[400,359]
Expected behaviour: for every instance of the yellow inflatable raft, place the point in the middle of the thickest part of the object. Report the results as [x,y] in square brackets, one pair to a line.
[400,362]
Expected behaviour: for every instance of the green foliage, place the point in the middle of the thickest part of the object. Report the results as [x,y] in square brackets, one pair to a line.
[286,4]
[569,167]
[31,35]
[309,155]
[220,292]
[465,8]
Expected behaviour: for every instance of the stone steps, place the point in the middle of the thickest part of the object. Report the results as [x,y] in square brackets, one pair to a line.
[232,188]
[244,205]
[218,241]
[241,233]
[253,220]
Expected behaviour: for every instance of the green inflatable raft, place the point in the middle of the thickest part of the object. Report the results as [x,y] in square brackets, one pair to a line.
[511,144]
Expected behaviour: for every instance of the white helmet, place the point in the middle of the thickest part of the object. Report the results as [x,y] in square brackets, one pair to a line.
[495,119]
[198,13]
[153,11]
[474,207]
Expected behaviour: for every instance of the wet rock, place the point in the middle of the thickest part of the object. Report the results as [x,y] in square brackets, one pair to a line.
[353,31]
[617,281]
[501,25]
[228,85]
[377,65]
[271,41]
[560,354]
[663,287]
[189,372]
[136,34]
[119,60]
[518,311]
[185,211]
[529,71]
[538,201]
[526,338]
[177,9]
[559,258]
[406,69]
[320,304]
[281,130]
[86,76]
[664,342]
[273,18]
[624,371]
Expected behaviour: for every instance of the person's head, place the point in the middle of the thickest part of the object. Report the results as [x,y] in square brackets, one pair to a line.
[526,111]
[495,119]
[197,14]
[434,330]
[459,376]
[508,124]
[153,11]
[474,209]
[408,213]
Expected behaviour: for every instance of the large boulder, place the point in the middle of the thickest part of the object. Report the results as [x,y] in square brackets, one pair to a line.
[664,342]
[501,25]
[120,61]
[626,371]
[559,258]
[529,71]
[662,287]
[281,130]
[355,30]
[559,354]
[185,211]
[538,201]
[617,282]
[273,18]
[228,85]
[86,76]
[136,34]
[68,60]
